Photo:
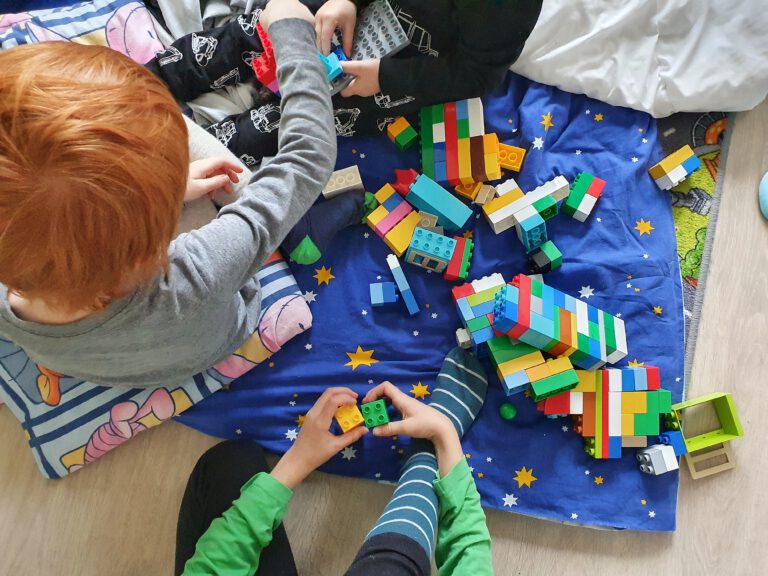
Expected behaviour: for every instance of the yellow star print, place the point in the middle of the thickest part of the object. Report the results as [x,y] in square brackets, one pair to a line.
[598,480]
[598,117]
[637,289]
[524,477]
[360,358]
[546,121]
[480,475]
[468,234]
[644,227]
[658,310]
[635,363]
[420,391]
[300,420]
[323,275]
[643,501]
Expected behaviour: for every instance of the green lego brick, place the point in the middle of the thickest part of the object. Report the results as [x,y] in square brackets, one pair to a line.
[651,402]
[647,424]
[462,128]
[437,114]
[546,207]
[555,384]
[594,330]
[553,254]
[406,139]
[730,425]
[428,162]
[582,343]
[375,413]
[537,289]
[665,401]
[502,349]
[557,325]
[466,257]
[579,188]
[610,333]
[478,323]
[483,296]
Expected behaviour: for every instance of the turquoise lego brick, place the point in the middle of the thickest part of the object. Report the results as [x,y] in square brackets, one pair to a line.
[532,232]
[332,67]
[427,195]
[435,246]
[542,325]
[375,413]
[570,303]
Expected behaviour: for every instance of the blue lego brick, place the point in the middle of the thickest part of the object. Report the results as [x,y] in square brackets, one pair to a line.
[570,304]
[410,301]
[429,196]
[614,447]
[542,325]
[332,67]
[641,380]
[515,383]
[594,348]
[504,315]
[339,51]
[511,293]
[559,299]
[383,293]
[675,439]
[628,379]
[434,245]
[438,153]
[548,302]
[441,171]
[392,202]
[462,110]
[377,294]
[532,232]
[593,314]
[483,335]
[465,310]
[692,164]
[483,308]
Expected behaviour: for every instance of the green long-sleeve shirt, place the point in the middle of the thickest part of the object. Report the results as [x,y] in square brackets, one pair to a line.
[233,543]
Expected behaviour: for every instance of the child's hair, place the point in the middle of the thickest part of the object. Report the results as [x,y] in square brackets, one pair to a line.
[93,168]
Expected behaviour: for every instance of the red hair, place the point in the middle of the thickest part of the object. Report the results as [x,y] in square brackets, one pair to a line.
[93,168]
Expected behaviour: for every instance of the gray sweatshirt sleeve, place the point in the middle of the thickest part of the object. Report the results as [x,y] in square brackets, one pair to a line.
[219,258]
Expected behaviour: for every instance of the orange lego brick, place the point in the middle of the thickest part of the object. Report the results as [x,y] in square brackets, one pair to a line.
[538,372]
[396,127]
[468,191]
[511,157]
[492,167]
[500,201]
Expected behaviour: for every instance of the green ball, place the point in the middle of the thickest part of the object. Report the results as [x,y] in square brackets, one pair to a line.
[507,411]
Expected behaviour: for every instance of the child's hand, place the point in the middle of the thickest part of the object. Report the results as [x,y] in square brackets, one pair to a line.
[419,420]
[208,175]
[283,9]
[315,444]
[335,14]
[366,81]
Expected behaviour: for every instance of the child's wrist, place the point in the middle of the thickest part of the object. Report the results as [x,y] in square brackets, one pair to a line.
[289,471]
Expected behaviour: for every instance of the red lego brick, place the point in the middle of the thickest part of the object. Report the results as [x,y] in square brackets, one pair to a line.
[462,291]
[558,404]
[596,187]
[453,269]
[654,381]
[451,144]
[403,180]
[523,284]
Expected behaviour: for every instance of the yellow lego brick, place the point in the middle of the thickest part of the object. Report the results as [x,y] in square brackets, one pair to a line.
[538,372]
[468,191]
[559,365]
[627,423]
[490,143]
[349,417]
[670,162]
[511,157]
[499,202]
[492,167]
[587,381]
[465,161]
[396,127]
[376,216]
[384,192]
[521,363]
[399,238]
[634,403]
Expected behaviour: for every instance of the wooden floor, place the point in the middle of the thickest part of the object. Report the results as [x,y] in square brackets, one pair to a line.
[118,517]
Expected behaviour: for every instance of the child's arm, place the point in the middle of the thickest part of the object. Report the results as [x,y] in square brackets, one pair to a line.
[491,37]
[233,543]
[223,255]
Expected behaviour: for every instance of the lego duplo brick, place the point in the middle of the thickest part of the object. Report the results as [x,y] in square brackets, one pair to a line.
[430,250]
[425,194]
[348,417]
[375,413]
[458,267]
[344,180]
[585,190]
[383,293]
[392,219]
[512,213]
[670,162]
[399,238]
[511,157]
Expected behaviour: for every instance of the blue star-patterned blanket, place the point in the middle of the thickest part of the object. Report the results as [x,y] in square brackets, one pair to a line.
[622,260]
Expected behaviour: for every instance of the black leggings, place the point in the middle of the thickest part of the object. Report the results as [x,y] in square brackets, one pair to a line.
[215,483]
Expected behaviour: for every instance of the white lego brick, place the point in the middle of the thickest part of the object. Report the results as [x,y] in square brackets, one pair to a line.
[614,380]
[656,459]
[499,222]
[582,318]
[536,304]
[677,174]
[585,208]
[344,180]
[438,132]
[670,459]
[664,182]
[476,117]
[506,187]
[557,188]
[614,413]
[621,341]
[577,402]
[493,281]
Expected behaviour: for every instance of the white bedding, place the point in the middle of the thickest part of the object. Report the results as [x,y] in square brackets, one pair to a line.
[661,56]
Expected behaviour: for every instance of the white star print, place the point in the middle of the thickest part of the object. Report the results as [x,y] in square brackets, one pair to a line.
[586,472]
[510,500]
[489,459]
[586,291]
[587,111]
[538,143]
[310,296]
[364,312]
[599,219]
[629,285]
[348,453]
[578,152]
[378,277]
[393,447]
[370,380]
[308,346]
[434,315]
[292,402]
[565,428]
[574,516]
[618,315]
[651,514]
[362,156]
[415,332]
[677,379]
[477,216]
[645,140]
[645,256]
[377,475]
[291,434]
[366,234]
[471,468]
[238,431]
[635,159]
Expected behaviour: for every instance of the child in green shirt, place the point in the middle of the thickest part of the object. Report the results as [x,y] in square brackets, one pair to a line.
[435,493]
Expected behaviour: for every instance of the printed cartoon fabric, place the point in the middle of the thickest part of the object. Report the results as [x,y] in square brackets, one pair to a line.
[622,259]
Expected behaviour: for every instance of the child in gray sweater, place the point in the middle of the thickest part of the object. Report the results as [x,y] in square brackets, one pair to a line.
[94,168]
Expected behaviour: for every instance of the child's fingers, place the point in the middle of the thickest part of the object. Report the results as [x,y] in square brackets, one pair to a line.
[214,183]
[353,67]
[344,440]
[347,35]
[326,34]
[350,90]
[391,429]
[377,392]
[332,402]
